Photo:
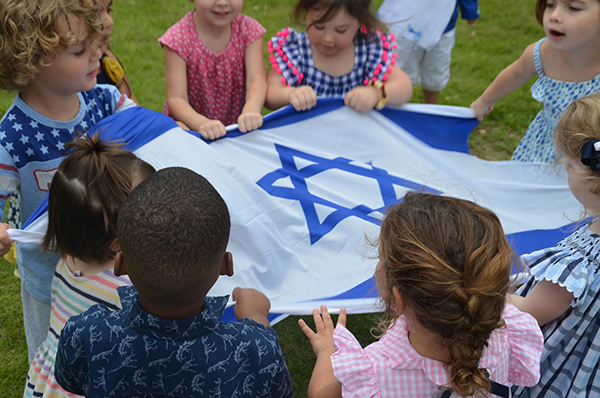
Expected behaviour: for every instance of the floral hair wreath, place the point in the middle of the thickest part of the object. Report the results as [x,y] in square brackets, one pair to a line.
[590,154]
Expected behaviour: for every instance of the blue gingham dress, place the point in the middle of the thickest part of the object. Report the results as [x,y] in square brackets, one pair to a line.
[569,363]
[538,143]
[369,53]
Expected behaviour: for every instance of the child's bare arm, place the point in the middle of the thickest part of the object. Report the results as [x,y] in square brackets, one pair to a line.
[256,87]
[323,383]
[178,100]
[252,304]
[545,302]
[510,79]
[398,87]
[302,98]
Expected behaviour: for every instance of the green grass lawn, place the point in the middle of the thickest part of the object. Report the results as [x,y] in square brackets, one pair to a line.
[482,51]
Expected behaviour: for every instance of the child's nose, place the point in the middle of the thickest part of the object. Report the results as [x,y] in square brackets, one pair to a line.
[327,38]
[556,14]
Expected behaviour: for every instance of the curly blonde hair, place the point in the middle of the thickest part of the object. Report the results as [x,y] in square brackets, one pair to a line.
[29,36]
[579,123]
[451,263]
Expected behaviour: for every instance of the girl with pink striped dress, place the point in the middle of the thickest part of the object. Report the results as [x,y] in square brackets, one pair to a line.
[85,196]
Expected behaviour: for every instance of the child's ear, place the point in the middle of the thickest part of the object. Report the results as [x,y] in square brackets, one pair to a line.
[227,264]
[114,245]
[120,267]
[399,304]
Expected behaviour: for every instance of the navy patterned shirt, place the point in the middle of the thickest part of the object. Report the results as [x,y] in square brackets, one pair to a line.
[132,353]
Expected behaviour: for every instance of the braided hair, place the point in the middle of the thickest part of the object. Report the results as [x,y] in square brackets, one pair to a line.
[450,261]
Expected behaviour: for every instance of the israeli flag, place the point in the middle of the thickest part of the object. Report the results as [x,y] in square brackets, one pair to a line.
[307,191]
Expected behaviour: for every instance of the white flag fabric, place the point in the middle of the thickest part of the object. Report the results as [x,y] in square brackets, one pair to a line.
[307,190]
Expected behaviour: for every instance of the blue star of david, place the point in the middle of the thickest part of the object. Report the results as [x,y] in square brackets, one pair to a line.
[308,200]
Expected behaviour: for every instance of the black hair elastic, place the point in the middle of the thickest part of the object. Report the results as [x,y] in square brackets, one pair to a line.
[590,154]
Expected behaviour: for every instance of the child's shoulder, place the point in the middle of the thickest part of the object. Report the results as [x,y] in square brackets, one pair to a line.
[187,19]
[521,332]
[185,26]
[581,245]
[572,263]
[247,27]
[16,110]
[516,347]
[105,100]
[98,315]
[245,19]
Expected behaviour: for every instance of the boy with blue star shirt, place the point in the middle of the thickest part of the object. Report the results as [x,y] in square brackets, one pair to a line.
[50,52]
[169,338]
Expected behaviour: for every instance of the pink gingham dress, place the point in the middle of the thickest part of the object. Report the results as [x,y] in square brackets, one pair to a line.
[391,367]
[216,82]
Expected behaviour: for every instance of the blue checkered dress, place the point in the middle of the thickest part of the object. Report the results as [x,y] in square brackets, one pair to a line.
[296,54]
[569,363]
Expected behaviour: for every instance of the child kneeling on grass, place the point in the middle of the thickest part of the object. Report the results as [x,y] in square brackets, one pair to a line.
[169,338]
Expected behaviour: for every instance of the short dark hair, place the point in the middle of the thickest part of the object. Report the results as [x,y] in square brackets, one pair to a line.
[86,194]
[173,230]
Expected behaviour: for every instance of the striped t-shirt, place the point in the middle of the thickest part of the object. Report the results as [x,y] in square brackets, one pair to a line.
[71,295]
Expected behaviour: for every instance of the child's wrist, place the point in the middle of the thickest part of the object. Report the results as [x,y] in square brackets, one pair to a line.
[380,87]
[325,351]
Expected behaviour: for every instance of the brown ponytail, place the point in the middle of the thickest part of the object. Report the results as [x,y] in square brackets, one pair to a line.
[86,195]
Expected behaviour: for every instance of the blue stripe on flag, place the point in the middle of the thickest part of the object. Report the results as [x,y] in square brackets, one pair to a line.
[440,132]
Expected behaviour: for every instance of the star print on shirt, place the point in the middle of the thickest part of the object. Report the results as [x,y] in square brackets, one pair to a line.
[25,139]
